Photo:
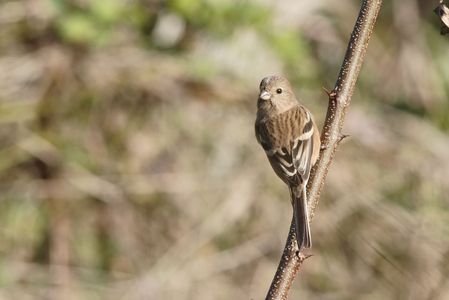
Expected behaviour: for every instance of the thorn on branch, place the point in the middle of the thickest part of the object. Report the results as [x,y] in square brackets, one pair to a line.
[342,137]
[326,91]
[331,94]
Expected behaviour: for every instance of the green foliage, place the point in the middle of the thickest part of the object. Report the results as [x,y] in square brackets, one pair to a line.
[221,17]
[295,53]
[80,28]
[17,232]
[95,22]
[290,46]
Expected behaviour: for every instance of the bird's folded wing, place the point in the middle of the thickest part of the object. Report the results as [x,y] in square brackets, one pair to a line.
[302,150]
[290,155]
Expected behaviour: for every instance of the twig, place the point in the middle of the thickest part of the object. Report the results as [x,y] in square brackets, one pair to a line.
[339,99]
[442,11]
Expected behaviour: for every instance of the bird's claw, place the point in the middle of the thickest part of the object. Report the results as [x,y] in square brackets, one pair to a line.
[301,256]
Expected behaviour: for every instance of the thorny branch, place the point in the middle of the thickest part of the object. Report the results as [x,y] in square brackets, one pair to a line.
[339,99]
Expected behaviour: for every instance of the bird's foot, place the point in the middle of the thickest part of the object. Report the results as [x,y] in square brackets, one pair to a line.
[303,256]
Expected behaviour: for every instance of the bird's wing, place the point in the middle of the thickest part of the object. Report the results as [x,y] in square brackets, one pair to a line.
[290,159]
[288,143]
[302,150]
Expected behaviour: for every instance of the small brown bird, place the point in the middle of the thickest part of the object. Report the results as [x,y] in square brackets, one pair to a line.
[288,134]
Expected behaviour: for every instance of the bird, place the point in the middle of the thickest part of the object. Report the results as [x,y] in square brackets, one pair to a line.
[287,132]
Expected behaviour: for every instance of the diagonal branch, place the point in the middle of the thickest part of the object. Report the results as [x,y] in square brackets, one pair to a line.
[339,99]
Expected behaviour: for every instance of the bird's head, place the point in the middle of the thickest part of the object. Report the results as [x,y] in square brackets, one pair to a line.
[275,95]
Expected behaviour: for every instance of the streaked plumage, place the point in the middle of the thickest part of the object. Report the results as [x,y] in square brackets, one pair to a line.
[288,134]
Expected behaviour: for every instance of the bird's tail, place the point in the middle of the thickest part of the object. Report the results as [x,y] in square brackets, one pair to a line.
[299,202]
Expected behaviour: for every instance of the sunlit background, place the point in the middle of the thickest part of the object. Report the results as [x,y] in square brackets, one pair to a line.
[129,167]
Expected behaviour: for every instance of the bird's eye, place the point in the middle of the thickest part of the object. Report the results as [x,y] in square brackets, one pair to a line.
[279,91]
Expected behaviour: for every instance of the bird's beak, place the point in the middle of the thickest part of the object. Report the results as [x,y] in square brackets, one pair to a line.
[264,95]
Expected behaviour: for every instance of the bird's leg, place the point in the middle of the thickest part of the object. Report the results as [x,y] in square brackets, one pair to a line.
[301,256]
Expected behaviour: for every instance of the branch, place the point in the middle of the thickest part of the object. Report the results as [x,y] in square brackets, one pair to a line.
[442,11]
[339,99]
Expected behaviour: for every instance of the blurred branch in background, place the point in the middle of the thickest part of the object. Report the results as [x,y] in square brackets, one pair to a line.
[442,11]
[141,111]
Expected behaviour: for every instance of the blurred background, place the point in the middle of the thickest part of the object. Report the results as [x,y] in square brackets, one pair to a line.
[129,167]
